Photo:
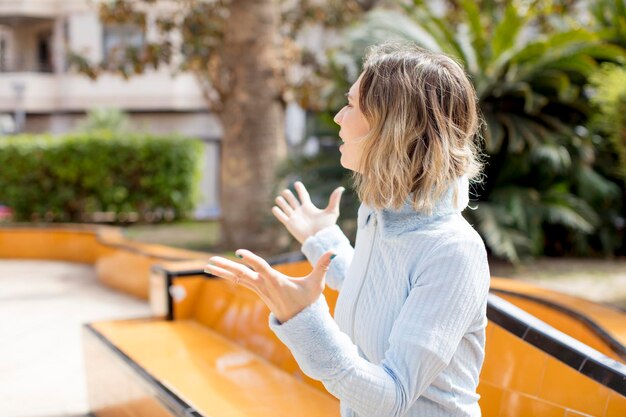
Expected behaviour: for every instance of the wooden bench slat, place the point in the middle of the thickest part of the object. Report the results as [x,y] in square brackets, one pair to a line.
[212,374]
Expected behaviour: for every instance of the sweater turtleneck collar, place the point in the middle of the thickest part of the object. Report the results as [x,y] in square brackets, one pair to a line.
[394,222]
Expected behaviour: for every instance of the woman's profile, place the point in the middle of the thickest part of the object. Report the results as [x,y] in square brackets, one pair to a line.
[408,334]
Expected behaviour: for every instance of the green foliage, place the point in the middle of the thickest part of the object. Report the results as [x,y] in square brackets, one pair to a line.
[72,177]
[529,66]
[112,119]
[610,17]
[608,128]
[609,85]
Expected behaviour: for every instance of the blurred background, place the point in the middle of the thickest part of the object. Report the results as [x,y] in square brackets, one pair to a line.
[180,120]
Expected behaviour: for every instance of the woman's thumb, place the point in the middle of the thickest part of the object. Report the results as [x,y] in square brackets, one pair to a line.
[321,267]
[335,199]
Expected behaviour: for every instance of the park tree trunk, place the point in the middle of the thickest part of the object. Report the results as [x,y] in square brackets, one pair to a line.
[239,51]
[254,143]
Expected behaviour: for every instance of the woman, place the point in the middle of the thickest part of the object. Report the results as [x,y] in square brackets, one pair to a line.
[408,334]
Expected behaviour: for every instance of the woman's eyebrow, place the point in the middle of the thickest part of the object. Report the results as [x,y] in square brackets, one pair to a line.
[349,97]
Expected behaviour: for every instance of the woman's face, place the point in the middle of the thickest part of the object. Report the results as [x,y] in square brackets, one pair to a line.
[354,127]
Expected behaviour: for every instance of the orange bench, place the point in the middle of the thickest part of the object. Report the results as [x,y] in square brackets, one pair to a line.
[212,354]
[209,352]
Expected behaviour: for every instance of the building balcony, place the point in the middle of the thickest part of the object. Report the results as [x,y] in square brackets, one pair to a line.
[14,12]
[70,92]
[23,65]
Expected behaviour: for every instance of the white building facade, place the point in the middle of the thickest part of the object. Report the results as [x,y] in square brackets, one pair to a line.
[39,94]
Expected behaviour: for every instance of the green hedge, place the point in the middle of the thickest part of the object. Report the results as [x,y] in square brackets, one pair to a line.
[99,176]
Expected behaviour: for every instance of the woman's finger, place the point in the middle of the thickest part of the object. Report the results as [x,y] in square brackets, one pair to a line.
[232,270]
[219,272]
[303,194]
[255,262]
[229,276]
[280,201]
[278,213]
[291,199]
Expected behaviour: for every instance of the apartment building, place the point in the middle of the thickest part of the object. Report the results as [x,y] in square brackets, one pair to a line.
[39,94]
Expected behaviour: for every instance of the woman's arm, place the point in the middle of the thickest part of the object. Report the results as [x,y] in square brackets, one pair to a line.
[446,297]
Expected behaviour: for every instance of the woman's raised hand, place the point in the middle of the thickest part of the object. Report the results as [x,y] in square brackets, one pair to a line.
[301,218]
[285,296]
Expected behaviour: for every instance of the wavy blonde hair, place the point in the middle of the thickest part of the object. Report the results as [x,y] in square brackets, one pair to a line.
[423,114]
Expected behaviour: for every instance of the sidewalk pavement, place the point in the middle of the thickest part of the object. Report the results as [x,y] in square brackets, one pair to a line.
[43,305]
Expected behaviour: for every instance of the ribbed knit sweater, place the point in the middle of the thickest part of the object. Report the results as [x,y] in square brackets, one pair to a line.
[408,334]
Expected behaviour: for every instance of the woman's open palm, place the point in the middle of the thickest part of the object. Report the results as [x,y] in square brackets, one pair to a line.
[284,295]
[301,217]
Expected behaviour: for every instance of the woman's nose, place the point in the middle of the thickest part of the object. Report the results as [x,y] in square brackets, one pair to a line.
[338,116]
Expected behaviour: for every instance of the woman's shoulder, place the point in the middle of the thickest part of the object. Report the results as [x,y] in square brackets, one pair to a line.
[447,231]
[454,250]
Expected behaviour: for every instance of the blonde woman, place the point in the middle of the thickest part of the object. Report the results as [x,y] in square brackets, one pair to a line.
[408,334]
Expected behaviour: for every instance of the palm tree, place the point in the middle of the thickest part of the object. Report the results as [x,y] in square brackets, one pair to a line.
[528,76]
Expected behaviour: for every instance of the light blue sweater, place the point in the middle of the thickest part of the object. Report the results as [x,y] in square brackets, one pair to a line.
[409,329]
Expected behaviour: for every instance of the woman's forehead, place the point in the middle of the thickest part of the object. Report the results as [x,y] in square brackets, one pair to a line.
[354,89]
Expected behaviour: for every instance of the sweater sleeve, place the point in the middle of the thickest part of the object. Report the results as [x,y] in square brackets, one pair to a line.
[330,238]
[447,295]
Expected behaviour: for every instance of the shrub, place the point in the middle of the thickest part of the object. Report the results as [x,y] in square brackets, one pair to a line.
[79,177]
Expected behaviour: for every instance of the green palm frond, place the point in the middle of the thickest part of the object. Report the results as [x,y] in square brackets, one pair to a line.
[503,240]
[561,207]
[385,25]
[595,186]
[610,16]
[506,34]
[474,59]
[530,75]
[555,156]
[494,132]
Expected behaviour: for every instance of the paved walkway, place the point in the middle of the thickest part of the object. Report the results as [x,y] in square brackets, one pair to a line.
[599,280]
[42,307]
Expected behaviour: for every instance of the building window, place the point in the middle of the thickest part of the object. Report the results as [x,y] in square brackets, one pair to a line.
[44,51]
[3,55]
[117,38]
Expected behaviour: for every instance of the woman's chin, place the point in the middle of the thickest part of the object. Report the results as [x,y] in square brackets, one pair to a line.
[345,164]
